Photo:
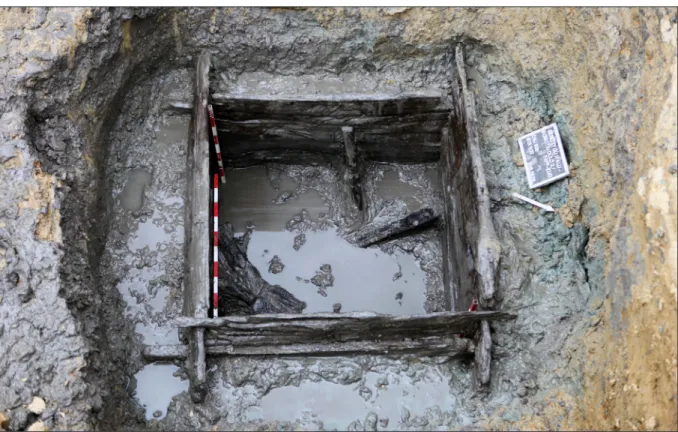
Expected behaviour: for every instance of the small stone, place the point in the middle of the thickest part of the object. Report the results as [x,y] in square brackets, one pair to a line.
[299,241]
[397,276]
[673,169]
[365,392]
[37,427]
[37,406]
[4,421]
[382,382]
[370,422]
[522,391]
[275,266]
[157,414]
[613,382]
[399,296]
[355,425]
[404,415]
[651,423]
[383,422]
[336,307]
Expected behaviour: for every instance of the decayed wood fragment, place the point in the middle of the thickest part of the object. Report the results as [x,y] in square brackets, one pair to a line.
[483,357]
[488,247]
[237,107]
[448,322]
[351,175]
[325,334]
[428,346]
[378,232]
[242,290]
[196,230]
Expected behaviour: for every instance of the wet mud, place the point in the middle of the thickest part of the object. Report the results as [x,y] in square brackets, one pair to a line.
[92,187]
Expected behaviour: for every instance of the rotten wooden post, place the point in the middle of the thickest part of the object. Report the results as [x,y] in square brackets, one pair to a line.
[351,174]
[488,248]
[197,230]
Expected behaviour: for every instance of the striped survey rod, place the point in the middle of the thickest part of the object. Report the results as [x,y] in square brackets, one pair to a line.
[213,125]
[215,243]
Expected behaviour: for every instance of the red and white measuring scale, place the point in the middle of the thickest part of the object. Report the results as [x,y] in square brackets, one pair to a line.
[215,244]
[215,136]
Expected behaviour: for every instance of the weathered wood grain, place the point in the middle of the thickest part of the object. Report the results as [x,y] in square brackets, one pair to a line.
[488,250]
[451,321]
[196,229]
[375,233]
[237,107]
[428,346]
[241,286]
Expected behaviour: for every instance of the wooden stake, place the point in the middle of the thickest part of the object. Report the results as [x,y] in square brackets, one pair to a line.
[197,229]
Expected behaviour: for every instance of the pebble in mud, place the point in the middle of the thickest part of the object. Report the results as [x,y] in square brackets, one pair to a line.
[365,392]
[323,279]
[275,266]
[157,414]
[336,307]
[371,422]
[299,241]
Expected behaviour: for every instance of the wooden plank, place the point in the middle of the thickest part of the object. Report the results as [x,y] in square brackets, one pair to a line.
[460,229]
[432,346]
[289,157]
[373,233]
[406,148]
[453,321]
[488,247]
[301,124]
[197,229]
[241,150]
[237,107]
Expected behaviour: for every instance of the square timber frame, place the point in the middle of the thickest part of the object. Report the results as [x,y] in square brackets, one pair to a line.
[416,128]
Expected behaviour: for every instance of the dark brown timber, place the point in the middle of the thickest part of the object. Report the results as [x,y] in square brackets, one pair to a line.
[374,233]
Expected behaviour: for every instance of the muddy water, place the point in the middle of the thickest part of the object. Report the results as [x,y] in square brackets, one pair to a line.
[393,399]
[132,196]
[155,385]
[248,197]
[363,279]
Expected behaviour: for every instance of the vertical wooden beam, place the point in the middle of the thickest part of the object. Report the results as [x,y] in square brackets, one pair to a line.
[351,174]
[483,357]
[488,246]
[197,230]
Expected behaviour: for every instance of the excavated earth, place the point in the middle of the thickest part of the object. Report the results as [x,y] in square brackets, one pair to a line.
[92,183]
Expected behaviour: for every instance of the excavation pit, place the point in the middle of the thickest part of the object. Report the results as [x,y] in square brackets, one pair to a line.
[296,233]
[84,305]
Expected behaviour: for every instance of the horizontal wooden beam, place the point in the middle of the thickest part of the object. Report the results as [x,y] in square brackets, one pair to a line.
[238,107]
[431,346]
[451,320]
[304,125]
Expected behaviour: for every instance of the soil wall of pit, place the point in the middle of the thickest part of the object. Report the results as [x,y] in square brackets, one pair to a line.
[594,284]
